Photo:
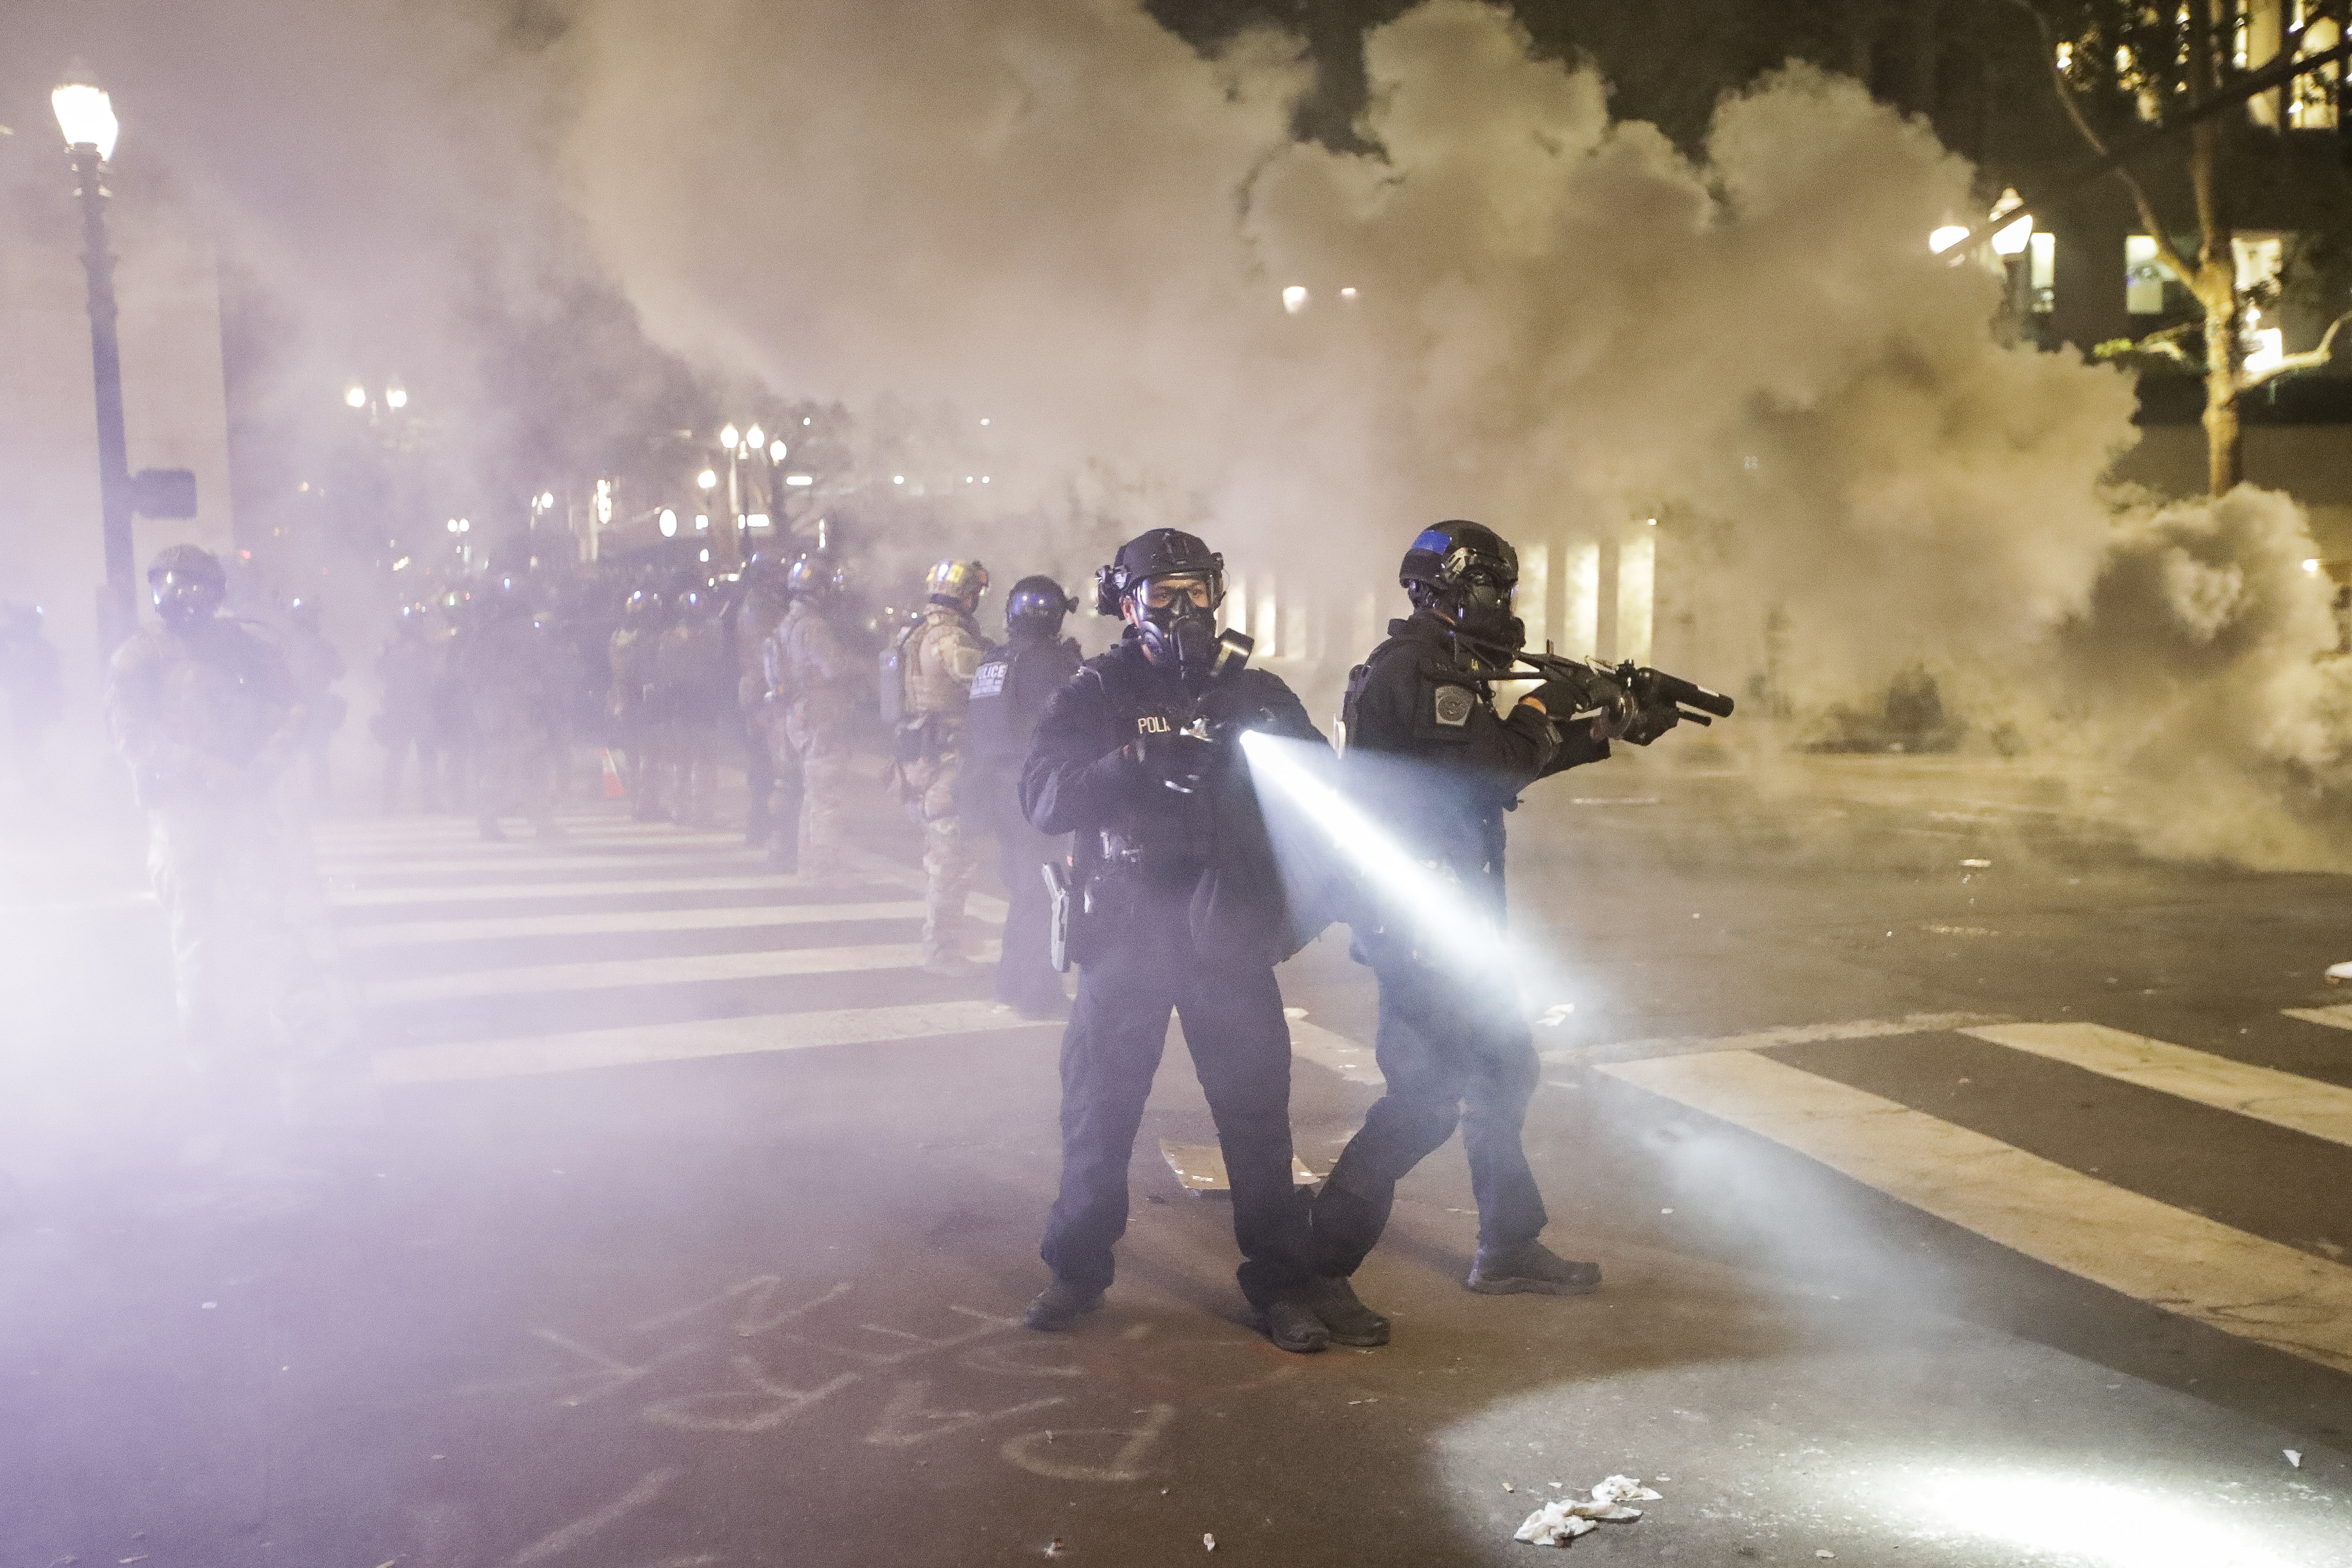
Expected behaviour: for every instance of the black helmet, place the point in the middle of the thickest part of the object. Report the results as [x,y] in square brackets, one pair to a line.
[1181,631]
[1446,555]
[1465,571]
[817,574]
[1162,553]
[1037,605]
[187,561]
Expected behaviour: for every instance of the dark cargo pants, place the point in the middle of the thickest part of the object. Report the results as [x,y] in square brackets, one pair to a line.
[1025,975]
[1234,1027]
[1453,1050]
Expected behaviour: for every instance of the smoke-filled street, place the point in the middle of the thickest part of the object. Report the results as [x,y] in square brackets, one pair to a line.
[688,1221]
[1301,781]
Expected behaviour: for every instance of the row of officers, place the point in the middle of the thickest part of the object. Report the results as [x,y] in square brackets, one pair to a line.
[1175,880]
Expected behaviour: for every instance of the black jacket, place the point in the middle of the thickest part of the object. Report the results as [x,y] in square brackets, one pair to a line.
[1430,756]
[1009,695]
[1143,842]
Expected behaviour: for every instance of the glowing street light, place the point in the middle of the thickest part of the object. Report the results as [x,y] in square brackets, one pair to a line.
[755,437]
[1294,299]
[729,438]
[396,397]
[1942,239]
[86,114]
[668,523]
[2013,239]
[708,479]
[355,396]
[775,451]
[86,117]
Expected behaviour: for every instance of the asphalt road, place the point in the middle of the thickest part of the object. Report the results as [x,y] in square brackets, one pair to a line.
[687,1223]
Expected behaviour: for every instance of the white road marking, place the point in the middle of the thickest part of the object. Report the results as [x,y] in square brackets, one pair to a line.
[409,865]
[688,1042]
[1341,1055]
[740,917]
[1763,1039]
[2281,1098]
[2337,1017]
[471,892]
[2184,1263]
[766,964]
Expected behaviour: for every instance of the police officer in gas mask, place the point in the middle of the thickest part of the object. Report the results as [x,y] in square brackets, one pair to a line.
[1009,693]
[1176,905]
[1426,749]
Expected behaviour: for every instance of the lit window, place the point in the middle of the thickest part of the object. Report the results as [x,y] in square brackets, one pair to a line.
[2143,276]
[2043,269]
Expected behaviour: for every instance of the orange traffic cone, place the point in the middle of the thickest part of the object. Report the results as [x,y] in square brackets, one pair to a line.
[614,788]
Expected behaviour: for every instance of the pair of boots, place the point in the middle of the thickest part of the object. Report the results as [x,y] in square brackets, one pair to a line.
[1326,1310]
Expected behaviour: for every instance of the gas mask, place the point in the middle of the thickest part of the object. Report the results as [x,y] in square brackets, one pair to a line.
[1176,617]
[1482,611]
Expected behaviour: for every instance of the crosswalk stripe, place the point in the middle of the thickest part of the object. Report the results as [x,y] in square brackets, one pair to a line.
[475,892]
[2281,1098]
[1764,1039]
[467,837]
[526,1055]
[480,853]
[1341,1055]
[2184,1263]
[610,922]
[411,866]
[2337,1017]
[767,963]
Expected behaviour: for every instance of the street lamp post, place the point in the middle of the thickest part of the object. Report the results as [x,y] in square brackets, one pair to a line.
[86,115]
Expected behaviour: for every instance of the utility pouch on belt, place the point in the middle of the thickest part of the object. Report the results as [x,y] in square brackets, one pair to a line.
[1062,909]
[911,741]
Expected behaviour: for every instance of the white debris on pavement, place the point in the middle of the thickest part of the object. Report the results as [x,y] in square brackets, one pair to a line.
[1562,1519]
[1557,1015]
[2294,1457]
[1208,1543]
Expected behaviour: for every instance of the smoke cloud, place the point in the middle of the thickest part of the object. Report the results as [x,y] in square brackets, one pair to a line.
[1055,215]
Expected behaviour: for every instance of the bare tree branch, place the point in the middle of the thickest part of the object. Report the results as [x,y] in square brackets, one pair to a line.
[2308,358]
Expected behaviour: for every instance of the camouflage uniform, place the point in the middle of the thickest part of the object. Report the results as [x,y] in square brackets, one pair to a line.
[942,654]
[813,684]
[207,717]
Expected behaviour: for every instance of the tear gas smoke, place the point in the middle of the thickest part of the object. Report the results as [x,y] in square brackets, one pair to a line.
[1055,215]
[1555,322]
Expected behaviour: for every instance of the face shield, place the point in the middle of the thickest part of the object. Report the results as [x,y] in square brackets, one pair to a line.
[184,598]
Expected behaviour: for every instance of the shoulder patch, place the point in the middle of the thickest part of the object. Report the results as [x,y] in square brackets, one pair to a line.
[1451,706]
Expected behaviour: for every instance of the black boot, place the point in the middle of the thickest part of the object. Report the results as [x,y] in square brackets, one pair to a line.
[1293,1326]
[1530,1267]
[1350,1321]
[1059,1305]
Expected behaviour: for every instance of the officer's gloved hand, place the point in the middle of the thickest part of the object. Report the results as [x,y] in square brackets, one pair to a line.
[1644,725]
[1177,759]
[1559,700]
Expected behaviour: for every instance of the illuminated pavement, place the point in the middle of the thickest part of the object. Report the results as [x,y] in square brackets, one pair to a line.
[1952,1214]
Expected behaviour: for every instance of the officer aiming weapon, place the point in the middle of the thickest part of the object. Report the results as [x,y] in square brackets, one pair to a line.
[1653,700]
